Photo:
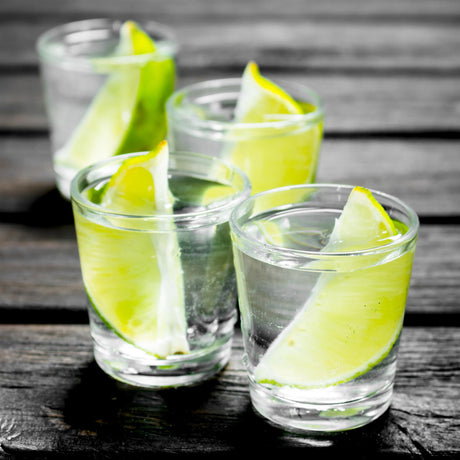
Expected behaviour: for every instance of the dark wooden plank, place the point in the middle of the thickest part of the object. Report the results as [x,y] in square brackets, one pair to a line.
[355,104]
[40,277]
[22,102]
[26,174]
[239,9]
[422,172]
[310,44]
[56,402]
[224,35]
[434,295]
[388,71]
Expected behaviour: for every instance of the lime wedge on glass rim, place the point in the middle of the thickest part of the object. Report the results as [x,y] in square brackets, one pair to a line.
[287,156]
[352,318]
[133,278]
[127,114]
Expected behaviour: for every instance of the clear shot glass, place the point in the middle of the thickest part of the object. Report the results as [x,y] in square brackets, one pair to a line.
[321,329]
[161,288]
[272,154]
[101,99]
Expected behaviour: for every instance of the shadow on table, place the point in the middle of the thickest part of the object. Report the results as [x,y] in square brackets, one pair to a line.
[48,209]
[100,406]
[206,418]
[361,443]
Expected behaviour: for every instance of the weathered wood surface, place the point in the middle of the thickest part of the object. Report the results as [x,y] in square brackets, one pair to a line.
[424,173]
[364,104]
[380,65]
[389,74]
[407,35]
[40,276]
[48,375]
[202,10]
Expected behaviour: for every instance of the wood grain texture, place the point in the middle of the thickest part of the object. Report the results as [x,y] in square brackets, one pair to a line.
[396,10]
[55,399]
[355,104]
[407,168]
[40,278]
[303,42]
[26,174]
[411,35]
[389,75]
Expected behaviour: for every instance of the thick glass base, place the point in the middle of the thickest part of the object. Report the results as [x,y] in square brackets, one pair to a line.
[309,417]
[175,371]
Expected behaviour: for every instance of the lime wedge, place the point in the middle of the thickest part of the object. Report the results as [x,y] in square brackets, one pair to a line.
[260,99]
[352,318]
[127,114]
[363,224]
[134,278]
[289,155]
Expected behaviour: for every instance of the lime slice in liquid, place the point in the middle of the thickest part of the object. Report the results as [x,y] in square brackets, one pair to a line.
[353,316]
[134,277]
[284,156]
[127,114]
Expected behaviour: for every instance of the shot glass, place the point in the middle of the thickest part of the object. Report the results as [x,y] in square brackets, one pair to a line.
[321,328]
[104,92]
[272,154]
[161,288]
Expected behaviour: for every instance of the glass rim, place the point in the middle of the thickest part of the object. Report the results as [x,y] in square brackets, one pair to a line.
[221,206]
[406,238]
[166,46]
[182,114]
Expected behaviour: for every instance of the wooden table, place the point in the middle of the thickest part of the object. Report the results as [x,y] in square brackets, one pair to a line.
[389,73]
